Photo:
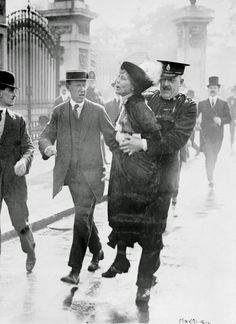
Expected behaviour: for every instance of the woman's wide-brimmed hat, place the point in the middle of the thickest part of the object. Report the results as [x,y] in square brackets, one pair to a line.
[76,76]
[139,78]
[7,79]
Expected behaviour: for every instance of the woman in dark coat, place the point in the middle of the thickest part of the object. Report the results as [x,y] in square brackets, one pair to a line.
[134,178]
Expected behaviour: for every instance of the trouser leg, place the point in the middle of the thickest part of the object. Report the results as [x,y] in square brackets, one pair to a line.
[19,214]
[148,265]
[232,133]
[85,232]
[0,210]
[211,151]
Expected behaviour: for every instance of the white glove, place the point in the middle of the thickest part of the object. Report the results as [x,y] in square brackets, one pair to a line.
[50,150]
[20,167]
[217,120]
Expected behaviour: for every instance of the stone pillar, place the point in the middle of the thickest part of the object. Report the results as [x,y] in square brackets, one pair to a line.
[71,19]
[191,25]
[3,35]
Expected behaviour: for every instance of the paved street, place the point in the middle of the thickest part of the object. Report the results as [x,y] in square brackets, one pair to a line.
[196,279]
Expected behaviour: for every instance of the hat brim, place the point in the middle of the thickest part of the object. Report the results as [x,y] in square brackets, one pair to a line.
[83,79]
[218,85]
[9,85]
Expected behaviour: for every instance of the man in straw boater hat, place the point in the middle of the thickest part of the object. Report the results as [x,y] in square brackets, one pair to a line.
[176,115]
[16,154]
[76,126]
[213,114]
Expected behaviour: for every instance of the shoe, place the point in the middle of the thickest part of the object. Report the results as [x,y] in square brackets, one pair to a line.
[72,278]
[111,272]
[120,265]
[30,261]
[94,265]
[143,295]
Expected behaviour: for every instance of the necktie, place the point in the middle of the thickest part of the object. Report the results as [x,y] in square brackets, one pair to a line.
[212,103]
[77,110]
[1,111]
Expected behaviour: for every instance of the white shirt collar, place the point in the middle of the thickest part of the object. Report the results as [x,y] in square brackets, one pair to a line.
[4,109]
[213,98]
[73,103]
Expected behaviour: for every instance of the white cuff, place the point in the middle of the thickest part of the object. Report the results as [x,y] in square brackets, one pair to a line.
[144,143]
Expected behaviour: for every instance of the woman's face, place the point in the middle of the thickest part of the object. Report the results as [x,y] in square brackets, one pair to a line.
[123,84]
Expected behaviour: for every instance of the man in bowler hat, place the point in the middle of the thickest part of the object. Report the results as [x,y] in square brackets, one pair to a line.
[176,115]
[232,107]
[16,154]
[75,126]
[213,114]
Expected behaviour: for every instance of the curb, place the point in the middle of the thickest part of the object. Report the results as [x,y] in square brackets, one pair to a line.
[42,223]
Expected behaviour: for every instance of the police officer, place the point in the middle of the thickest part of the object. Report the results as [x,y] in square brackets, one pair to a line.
[176,115]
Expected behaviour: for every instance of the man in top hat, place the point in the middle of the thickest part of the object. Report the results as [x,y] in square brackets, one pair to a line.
[213,114]
[64,94]
[232,107]
[176,115]
[75,126]
[16,154]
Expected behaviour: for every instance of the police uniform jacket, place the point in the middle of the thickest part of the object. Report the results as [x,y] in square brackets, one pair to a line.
[177,118]
[209,130]
[59,129]
[15,144]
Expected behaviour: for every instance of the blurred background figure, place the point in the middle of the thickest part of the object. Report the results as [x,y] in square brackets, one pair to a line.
[113,106]
[191,94]
[232,107]
[93,94]
[64,94]
[213,114]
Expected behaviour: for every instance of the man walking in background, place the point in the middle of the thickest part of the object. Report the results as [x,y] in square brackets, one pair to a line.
[213,114]
[16,154]
[232,107]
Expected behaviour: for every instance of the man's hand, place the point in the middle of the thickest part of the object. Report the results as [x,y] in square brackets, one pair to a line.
[106,175]
[20,167]
[50,150]
[217,120]
[131,145]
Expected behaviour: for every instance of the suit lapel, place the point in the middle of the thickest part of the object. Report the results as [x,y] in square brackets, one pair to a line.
[86,120]
[9,125]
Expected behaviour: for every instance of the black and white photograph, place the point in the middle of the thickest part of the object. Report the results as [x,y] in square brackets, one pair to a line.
[117,161]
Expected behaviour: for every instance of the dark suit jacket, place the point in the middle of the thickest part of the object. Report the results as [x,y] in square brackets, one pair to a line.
[113,109]
[95,121]
[209,130]
[15,143]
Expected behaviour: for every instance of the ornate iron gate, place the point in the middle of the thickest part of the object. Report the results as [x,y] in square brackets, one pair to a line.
[33,55]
